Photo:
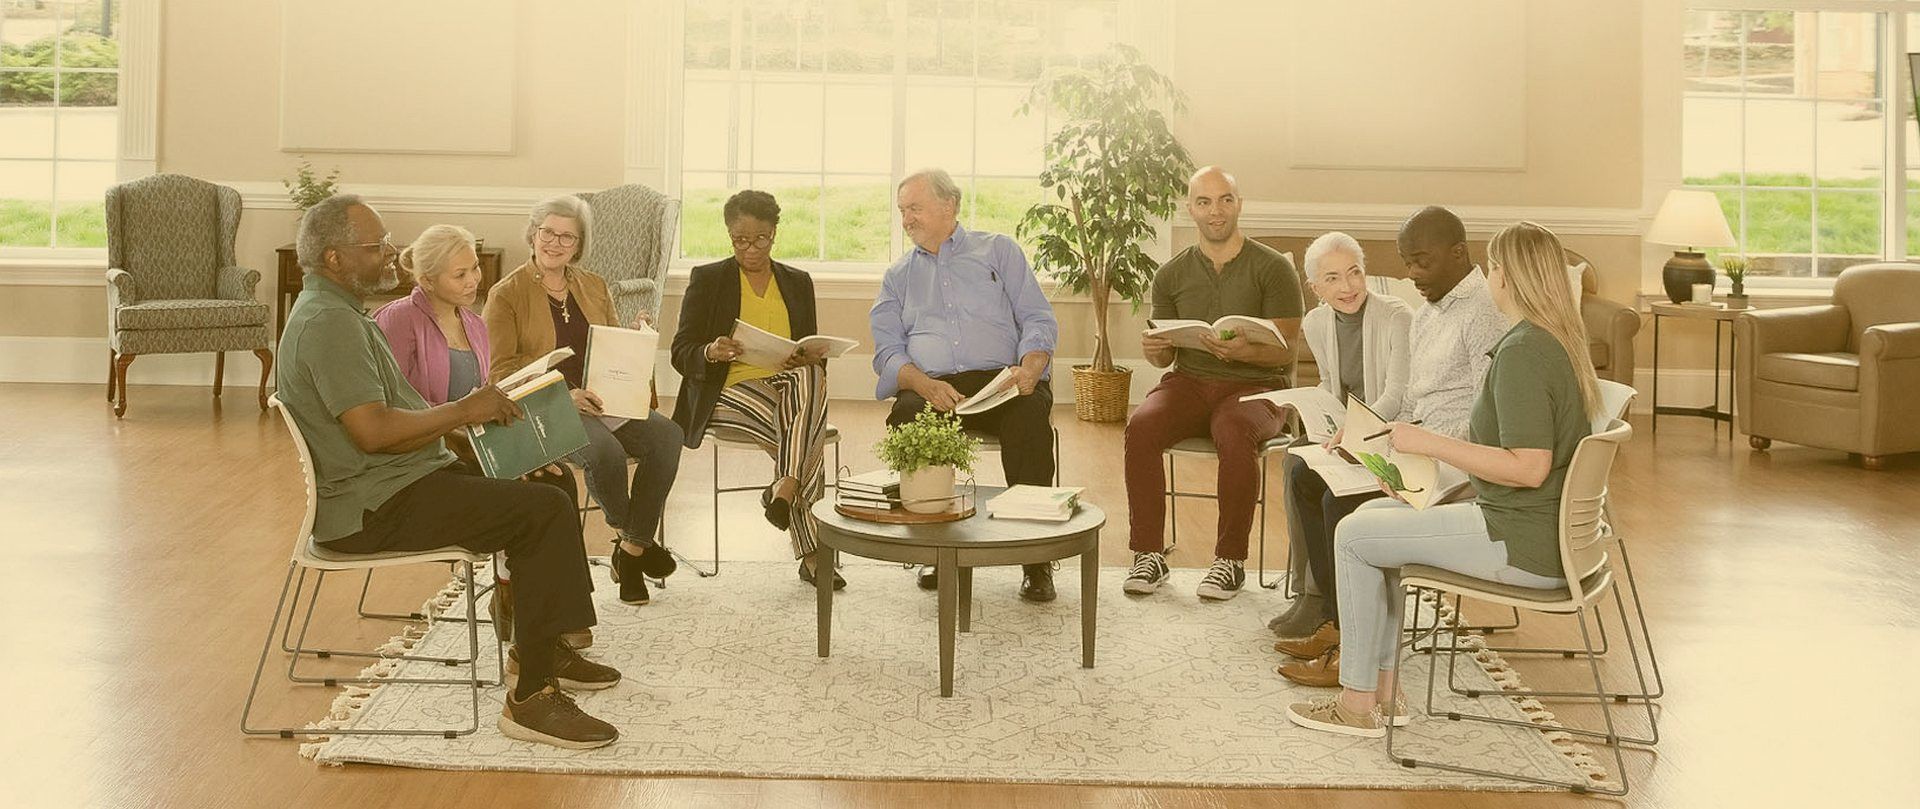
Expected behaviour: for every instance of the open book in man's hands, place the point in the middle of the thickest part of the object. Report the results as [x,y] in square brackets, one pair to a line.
[764,349]
[1187,333]
[996,393]
[1418,479]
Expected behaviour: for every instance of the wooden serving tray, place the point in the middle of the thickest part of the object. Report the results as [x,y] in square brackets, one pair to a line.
[901,516]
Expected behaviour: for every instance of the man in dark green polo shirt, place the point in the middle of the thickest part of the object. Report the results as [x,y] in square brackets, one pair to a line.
[1225,274]
[386,481]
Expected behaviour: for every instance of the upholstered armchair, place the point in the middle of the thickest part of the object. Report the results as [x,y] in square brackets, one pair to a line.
[1611,325]
[173,286]
[1842,376]
[633,231]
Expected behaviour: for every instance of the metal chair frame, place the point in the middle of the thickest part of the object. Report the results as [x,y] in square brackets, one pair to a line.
[308,556]
[1581,539]
[1205,447]
[718,435]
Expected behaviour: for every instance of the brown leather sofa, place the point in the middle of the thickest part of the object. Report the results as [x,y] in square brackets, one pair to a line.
[1842,376]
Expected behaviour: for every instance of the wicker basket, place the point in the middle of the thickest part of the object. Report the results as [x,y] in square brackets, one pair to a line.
[1101,395]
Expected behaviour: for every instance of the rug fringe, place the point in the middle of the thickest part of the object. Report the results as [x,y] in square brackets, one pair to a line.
[352,699]
[1577,753]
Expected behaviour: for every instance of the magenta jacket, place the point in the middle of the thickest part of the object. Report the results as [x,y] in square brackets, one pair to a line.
[420,348]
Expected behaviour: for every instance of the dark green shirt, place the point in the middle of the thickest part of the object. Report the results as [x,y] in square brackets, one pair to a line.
[334,358]
[1530,400]
[1259,282]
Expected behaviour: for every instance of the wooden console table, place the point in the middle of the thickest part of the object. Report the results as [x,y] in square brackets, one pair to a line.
[290,272]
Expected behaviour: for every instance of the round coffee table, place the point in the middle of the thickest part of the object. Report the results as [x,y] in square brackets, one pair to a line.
[954,549]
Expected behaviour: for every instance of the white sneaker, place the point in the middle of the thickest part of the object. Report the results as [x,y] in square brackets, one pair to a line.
[1148,573]
[1223,580]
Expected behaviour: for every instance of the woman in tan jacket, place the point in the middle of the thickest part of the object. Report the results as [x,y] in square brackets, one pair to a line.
[547,303]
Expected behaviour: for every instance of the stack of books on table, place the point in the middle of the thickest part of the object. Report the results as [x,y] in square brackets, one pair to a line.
[879,489]
[1045,503]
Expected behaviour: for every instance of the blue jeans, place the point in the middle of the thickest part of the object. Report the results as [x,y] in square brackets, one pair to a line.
[1372,544]
[633,510]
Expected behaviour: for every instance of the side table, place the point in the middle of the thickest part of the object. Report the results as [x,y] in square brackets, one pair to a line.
[1722,318]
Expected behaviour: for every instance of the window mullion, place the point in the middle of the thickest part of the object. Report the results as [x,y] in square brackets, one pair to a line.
[1893,209]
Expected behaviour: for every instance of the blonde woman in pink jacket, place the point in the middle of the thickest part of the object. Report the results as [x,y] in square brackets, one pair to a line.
[440,344]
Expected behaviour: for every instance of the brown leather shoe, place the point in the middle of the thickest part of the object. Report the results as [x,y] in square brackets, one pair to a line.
[577,639]
[1320,672]
[1315,645]
[570,670]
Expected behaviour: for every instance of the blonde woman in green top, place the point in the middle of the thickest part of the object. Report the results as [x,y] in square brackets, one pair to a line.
[1533,409]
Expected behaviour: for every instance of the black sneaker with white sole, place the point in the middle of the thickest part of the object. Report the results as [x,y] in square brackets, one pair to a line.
[1224,579]
[1148,573]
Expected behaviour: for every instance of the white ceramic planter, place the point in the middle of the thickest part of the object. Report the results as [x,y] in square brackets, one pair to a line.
[927,490]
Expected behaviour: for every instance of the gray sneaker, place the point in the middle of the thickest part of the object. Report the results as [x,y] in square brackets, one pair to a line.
[1308,612]
[1148,573]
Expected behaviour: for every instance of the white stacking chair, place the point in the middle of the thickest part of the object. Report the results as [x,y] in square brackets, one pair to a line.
[310,556]
[1589,571]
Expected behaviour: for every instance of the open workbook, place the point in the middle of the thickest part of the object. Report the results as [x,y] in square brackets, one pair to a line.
[1320,412]
[548,429]
[764,349]
[1418,479]
[1187,333]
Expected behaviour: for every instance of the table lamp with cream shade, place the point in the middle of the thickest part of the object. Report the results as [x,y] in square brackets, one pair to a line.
[1689,218]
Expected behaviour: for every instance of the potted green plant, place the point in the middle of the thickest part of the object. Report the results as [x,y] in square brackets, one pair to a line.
[1113,171]
[926,452]
[307,189]
[1735,267]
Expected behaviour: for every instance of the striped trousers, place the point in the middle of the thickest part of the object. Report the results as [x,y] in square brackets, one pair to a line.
[787,416]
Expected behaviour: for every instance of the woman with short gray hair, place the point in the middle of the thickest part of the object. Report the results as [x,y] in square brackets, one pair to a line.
[550,302]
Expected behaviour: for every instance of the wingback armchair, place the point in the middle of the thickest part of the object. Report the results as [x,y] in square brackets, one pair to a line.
[1611,325]
[633,231]
[173,286]
[1842,376]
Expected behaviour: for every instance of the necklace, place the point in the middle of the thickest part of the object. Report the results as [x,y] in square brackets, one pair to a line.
[560,308]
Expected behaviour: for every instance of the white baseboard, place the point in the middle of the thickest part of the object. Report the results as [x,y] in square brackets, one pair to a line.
[1681,387]
[84,360]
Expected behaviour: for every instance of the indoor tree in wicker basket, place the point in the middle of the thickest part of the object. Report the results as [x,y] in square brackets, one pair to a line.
[1113,171]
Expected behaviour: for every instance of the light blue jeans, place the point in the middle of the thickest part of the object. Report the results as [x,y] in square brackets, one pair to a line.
[1371,545]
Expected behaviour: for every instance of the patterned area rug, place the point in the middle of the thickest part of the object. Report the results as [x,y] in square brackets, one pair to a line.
[721,680]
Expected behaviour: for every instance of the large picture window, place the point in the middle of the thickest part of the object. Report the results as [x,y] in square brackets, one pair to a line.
[59,120]
[826,104]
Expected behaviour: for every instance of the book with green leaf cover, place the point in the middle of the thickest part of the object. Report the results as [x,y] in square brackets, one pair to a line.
[1418,479]
[549,428]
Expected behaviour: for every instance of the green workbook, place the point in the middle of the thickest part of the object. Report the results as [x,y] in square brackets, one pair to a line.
[548,429]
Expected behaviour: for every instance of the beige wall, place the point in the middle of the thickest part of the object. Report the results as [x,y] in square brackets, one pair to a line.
[1582,101]
[219,110]
[219,101]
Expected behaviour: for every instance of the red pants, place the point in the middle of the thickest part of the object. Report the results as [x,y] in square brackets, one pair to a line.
[1184,406]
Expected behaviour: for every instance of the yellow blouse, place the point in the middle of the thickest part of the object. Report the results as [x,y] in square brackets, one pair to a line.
[768,312]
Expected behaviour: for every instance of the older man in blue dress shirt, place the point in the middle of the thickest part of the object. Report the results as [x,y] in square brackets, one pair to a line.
[958,308]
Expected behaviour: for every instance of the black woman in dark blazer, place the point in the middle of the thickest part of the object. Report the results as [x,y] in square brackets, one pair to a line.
[785,410]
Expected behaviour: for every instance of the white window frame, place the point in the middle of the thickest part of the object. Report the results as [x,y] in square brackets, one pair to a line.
[1897,106]
[138,36]
[1127,11]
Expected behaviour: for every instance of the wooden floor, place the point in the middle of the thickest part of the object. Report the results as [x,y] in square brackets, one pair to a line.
[141,556]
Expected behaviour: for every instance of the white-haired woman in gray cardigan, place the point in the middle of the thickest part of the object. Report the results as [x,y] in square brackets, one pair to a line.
[1359,341]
